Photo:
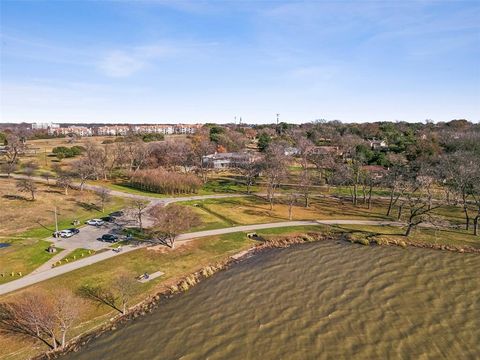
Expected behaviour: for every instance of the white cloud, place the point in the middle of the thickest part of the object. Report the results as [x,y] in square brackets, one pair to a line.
[120,64]
[124,63]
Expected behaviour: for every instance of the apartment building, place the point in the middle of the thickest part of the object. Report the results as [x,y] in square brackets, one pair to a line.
[75,130]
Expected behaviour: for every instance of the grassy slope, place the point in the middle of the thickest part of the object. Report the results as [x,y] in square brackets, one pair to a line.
[23,256]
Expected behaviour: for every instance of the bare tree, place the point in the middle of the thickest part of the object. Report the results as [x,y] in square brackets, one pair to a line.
[419,203]
[47,176]
[250,172]
[124,286]
[459,170]
[396,179]
[104,196]
[64,182]
[28,186]
[15,147]
[31,316]
[305,148]
[274,169]
[30,167]
[66,311]
[170,221]
[138,207]
[8,168]
[292,199]
[84,170]
[201,146]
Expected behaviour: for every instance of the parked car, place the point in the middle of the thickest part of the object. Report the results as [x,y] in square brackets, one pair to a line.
[75,231]
[117,213]
[96,222]
[109,238]
[63,234]
[107,219]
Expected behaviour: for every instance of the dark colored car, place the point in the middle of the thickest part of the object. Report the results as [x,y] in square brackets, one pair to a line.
[109,238]
[75,231]
[107,218]
[117,213]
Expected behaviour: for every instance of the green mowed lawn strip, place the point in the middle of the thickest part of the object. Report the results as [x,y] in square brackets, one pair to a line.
[23,256]
[78,254]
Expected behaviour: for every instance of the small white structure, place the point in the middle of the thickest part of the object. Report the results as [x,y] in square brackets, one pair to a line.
[228,160]
[377,144]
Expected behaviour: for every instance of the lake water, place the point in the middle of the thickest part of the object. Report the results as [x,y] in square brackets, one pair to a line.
[317,301]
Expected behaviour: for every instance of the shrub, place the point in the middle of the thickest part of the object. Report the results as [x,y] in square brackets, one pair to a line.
[65,152]
[165,182]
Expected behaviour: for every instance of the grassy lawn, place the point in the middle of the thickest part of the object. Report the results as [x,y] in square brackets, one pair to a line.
[77,254]
[35,219]
[23,256]
[256,210]
[25,223]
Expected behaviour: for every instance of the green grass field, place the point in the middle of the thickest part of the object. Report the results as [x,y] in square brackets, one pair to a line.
[23,256]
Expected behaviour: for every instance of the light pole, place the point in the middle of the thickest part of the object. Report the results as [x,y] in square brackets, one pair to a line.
[56,222]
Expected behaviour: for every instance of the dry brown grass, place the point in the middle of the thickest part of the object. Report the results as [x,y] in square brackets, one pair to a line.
[251,210]
[18,214]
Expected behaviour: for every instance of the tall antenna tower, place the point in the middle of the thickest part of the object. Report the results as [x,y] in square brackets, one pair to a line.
[278,118]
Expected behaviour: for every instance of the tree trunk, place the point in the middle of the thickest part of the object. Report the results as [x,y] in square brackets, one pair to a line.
[390,205]
[355,191]
[369,201]
[475,225]
[64,337]
[467,218]
[409,229]
[399,215]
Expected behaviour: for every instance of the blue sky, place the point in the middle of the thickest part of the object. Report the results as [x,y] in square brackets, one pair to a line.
[194,61]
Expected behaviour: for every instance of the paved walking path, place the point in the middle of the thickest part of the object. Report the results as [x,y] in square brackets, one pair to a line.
[48,264]
[153,199]
[38,276]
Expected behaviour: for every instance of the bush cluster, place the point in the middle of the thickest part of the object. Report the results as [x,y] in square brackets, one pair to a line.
[66,152]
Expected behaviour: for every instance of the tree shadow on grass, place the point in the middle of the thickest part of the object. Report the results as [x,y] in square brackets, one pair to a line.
[14,197]
[88,206]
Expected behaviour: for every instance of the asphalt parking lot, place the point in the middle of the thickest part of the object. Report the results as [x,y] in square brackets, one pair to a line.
[88,236]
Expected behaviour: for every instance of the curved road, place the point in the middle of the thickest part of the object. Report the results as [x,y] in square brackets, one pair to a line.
[36,277]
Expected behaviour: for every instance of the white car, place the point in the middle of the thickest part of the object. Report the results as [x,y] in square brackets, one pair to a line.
[95,222]
[63,234]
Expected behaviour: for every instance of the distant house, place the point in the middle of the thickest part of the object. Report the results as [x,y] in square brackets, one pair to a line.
[377,144]
[291,151]
[228,160]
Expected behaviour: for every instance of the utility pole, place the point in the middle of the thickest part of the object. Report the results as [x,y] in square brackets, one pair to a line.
[278,118]
[56,221]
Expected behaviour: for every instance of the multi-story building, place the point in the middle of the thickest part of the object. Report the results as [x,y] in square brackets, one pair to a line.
[154,129]
[75,130]
[187,128]
[44,126]
[113,130]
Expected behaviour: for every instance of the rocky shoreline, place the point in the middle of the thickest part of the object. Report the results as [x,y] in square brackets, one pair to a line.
[154,301]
